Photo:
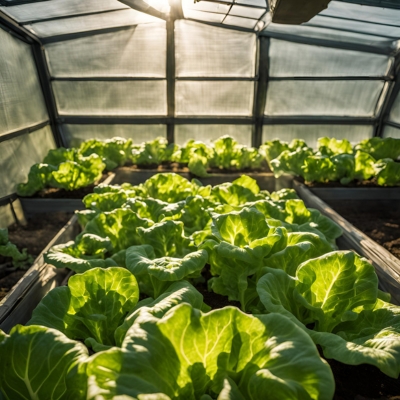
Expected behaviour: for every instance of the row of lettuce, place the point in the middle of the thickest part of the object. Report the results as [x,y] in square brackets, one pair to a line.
[74,168]
[337,160]
[154,242]
[333,160]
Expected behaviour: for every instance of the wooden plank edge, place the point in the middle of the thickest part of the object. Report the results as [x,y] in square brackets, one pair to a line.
[34,272]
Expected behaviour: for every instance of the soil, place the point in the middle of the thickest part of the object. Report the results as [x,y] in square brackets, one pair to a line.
[363,382]
[380,220]
[176,167]
[34,236]
[56,193]
[337,184]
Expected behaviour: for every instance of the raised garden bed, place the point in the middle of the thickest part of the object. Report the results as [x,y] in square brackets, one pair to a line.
[24,289]
[386,264]
[135,176]
[60,200]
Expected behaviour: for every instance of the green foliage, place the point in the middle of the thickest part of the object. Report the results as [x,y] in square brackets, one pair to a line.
[40,363]
[114,152]
[19,259]
[380,148]
[154,152]
[224,354]
[155,273]
[92,306]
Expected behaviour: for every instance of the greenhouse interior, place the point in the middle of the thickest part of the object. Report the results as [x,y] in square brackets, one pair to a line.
[199,199]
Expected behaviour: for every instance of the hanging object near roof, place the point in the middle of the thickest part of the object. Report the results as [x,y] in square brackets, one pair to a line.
[295,12]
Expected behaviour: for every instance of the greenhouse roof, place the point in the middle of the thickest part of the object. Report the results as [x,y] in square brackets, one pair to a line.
[184,70]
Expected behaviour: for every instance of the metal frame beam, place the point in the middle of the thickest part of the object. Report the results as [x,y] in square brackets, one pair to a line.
[261,90]
[98,119]
[42,69]
[329,43]
[23,131]
[391,96]
[318,120]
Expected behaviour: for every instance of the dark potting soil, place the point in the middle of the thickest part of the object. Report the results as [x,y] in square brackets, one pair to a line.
[34,236]
[337,184]
[175,167]
[363,382]
[380,220]
[56,193]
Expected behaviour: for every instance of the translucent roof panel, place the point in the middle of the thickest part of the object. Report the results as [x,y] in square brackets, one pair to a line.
[59,9]
[288,59]
[136,52]
[198,54]
[363,13]
[73,135]
[90,22]
[394,115]
[333,98]
[207,133]
[391,131]
[17,155]
[240,22]
[21,100]
[243,14]
[311,133]
[233,98]
[306,31]
[111,98]
[356,26]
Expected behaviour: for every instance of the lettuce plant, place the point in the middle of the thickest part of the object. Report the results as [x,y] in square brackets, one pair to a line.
[154,152]
[240,242]
[336,296]
[155,274]
[225,353]
[63,168]
[41,363]
[114,152]
[91,307]
[380,148]
[332,147]
[9,250]
[388,172]
[177,293]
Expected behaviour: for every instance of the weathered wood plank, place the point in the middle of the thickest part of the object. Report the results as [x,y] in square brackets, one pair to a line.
[18,305]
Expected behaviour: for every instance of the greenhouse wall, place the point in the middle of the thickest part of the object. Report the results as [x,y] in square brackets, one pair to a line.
[25,134]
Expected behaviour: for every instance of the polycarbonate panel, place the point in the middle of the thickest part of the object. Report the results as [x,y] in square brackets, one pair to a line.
[331,34]
[240,22]
[247,12]
[336,98]
[214,98]
[363,13]
[60,8]
[204,6]
[73,135]
[394,115]
[356,26]
[19,154]
[209,133]
[259,3]
[289,59]
[111,98]
[198,53]
[90,22]
[311,133]
[204,16]
[137,52]
[21,99]
[391,131]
